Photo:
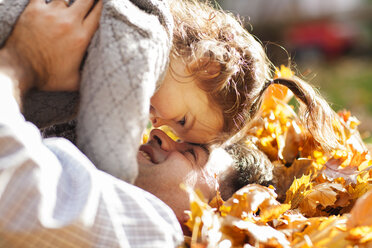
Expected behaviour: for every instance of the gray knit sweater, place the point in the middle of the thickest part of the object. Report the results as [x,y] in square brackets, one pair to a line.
[126,58]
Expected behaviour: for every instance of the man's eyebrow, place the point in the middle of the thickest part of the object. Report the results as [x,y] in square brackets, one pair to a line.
[203,146]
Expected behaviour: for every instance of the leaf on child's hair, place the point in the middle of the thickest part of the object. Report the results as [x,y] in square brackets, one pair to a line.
[276,93]
[284,71]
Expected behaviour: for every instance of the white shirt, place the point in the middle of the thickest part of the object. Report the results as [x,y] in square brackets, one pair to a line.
[51,195]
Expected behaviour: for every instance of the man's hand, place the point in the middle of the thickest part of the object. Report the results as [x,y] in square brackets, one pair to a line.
[48,43]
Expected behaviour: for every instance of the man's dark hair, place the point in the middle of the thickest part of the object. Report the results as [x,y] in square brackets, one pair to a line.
[250,165]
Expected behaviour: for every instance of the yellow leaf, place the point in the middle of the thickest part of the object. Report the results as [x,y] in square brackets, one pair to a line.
[361,234]
[283,72]
[145,138]
[166,129]
[360,189]
[364,165]
[323,232]
[271,213]
[198,205]
[295,193]
[169,132]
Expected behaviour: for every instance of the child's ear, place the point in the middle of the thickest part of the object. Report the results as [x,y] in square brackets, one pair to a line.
[213,69]
[205,68]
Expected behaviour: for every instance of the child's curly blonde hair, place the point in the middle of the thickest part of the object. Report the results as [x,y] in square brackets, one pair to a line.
[233,68]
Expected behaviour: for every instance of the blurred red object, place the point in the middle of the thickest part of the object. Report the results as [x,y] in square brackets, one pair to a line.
[329,38]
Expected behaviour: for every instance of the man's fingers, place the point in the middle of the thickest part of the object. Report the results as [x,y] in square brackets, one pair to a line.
[92,21]
[58,3]
[82,7]
[39,1]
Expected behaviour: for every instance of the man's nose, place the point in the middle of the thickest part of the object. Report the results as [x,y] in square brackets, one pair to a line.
[163,140]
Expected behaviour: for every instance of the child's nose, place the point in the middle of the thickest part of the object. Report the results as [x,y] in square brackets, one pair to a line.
[154,118]
[157,122]
[163,140]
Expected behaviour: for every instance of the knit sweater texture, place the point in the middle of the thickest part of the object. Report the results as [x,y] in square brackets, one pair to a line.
[126,59]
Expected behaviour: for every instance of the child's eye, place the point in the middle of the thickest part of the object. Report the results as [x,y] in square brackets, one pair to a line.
[182,122]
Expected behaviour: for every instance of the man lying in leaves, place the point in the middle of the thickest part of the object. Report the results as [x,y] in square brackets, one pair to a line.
[165,164]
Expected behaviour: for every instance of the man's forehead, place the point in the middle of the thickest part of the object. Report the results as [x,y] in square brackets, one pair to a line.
[219,159]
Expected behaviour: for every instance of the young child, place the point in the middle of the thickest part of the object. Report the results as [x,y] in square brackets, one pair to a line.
[217,77]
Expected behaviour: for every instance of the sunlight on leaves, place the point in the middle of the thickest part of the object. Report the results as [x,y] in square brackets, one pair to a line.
[318,198]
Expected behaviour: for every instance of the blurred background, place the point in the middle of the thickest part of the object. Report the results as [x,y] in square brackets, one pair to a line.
[329,41]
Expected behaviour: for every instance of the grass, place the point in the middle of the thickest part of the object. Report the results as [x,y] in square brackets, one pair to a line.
[346,84]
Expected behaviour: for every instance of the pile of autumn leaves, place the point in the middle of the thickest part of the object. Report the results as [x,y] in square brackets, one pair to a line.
[320,200]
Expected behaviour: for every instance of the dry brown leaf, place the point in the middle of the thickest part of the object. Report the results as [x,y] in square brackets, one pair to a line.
[344,200]
[293,140]
[321,195]
[284,176]
[333,170]
[291,222]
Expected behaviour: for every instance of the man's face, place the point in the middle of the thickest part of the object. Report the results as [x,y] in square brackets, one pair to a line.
[165,164]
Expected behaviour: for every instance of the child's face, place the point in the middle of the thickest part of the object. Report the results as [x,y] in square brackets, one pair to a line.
[180,104]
